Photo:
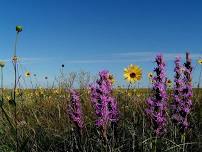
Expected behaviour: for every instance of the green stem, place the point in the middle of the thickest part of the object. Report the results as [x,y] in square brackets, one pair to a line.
[2,90]
[183,138]
[15,47]
[14,92]
[2,98]
[154,145]
[199,77]
[124,107]
[175,133]
[198,92]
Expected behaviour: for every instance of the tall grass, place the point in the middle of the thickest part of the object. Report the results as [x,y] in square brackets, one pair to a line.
[44,126]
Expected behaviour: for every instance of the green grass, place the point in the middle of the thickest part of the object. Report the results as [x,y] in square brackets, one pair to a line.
[43,124]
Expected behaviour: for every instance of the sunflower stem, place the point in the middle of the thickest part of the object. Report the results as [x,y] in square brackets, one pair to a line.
[14,92]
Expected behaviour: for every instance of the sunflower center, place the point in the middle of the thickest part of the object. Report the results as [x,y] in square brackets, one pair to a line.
[132,75]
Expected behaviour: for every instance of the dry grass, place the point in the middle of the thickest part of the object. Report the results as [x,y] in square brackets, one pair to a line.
[43,124]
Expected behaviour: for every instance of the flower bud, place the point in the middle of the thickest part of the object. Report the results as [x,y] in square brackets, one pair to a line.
[19,28]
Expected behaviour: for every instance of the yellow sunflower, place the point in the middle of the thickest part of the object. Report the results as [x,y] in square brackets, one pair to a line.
[132,74]
[2,64]
[169,83]
[150,75]
[111,78]
[200,61]
[27,74]
[8,98]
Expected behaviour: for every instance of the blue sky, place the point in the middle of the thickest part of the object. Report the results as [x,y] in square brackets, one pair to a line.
[92,35]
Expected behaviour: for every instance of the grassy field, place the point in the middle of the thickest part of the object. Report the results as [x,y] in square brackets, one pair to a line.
[100,117]
[43,124]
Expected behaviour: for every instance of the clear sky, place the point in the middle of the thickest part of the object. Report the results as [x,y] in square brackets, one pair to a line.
[92,35]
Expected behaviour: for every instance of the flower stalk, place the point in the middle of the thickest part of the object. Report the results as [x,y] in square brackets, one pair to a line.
[14,60]
[74,110]
[157,105]
[104,103]
[186,93]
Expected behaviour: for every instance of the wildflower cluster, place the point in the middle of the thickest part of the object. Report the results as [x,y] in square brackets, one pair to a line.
[157,104]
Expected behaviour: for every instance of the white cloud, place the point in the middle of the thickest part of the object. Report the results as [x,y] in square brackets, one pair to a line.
[149,56]
[99,61]
[113,58]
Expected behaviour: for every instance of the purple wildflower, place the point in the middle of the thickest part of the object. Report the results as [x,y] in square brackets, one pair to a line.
[177,96]
[157,105]
[182,93]
[187,94]
[74,109]
[104,104]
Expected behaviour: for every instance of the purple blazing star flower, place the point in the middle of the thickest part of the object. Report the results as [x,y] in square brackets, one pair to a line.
[157,105]
[177,96]
[74,109]
[104,104]
[178,93]
[182,97]
[186,92]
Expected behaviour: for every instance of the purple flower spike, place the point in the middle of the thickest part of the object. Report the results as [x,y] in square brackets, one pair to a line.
[74,109]
[157,105]
[186,92]
[177,96]
[182,97]
[104,104]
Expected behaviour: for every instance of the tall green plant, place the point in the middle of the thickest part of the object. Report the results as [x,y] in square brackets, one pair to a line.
[15,59]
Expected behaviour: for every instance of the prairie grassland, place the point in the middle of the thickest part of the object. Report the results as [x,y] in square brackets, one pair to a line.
[43,123]
[100,118]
